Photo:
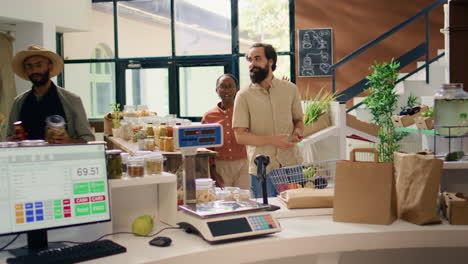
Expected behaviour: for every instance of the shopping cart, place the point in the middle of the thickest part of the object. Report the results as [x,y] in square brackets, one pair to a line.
[318,175]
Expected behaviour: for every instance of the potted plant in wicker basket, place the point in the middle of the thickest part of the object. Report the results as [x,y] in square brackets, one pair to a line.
[316,115]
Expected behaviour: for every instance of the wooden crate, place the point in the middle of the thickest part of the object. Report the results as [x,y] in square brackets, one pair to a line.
[407,120]
[424,122]
[455,208]
[369,128]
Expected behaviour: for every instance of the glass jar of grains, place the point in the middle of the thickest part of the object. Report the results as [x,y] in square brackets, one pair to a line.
[136,166]
[153,163]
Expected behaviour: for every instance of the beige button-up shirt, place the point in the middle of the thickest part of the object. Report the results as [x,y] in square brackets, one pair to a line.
[267,113]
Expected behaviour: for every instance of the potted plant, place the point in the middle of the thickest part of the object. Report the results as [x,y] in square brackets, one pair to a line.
[316,115]
[382,103]
[115,118]
[426,120]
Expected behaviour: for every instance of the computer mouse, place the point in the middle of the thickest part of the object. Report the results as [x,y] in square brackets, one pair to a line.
[161,241]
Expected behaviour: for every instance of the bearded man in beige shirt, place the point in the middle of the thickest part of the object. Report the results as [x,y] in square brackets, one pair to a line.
[268,116]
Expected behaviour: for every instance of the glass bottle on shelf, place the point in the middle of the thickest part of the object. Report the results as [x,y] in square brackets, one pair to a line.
[162,130]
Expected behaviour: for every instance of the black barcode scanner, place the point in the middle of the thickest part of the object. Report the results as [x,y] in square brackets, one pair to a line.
[262,162]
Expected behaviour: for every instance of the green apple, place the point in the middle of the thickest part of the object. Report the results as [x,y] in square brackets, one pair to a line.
[143,225]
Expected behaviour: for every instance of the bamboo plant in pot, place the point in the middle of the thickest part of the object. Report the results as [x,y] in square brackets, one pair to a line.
[382,103]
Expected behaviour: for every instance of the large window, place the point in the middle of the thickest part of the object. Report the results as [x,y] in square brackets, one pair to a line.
[167,54]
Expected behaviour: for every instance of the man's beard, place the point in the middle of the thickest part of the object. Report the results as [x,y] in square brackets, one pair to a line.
[39,82]
[260,74]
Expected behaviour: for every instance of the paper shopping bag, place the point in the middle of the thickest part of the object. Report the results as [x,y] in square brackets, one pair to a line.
[417,180]
[364,191]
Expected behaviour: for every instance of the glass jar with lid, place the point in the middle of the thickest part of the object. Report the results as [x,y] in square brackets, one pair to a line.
[205,191]
[55,126]
[162,132]
[142,110]
[114,163]
[136,166]
[129,111]
[124,156]
[153,163]
[148,144]
[451,110]
[20,133]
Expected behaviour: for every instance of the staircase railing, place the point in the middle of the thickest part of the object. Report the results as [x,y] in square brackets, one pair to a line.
[407,58]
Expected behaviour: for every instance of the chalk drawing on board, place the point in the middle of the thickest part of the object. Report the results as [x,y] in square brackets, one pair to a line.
[315,52]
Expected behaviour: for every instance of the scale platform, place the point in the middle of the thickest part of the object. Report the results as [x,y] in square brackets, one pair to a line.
[227,220]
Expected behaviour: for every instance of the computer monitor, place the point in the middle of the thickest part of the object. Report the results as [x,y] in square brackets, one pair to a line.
[47,187]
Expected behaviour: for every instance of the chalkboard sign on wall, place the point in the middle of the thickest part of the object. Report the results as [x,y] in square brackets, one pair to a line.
[315,52]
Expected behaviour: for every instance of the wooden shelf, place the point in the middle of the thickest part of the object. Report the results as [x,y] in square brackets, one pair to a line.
[128,182]
[456,165]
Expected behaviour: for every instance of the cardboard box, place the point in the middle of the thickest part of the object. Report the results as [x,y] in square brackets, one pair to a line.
[369,128]
[407,120]
[455,208]
[321,123]
[424,122]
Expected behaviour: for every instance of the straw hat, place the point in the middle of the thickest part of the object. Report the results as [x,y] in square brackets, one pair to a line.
[34,50]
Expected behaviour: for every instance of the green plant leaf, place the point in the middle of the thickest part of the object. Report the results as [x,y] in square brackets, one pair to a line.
[317,106]
[382,103]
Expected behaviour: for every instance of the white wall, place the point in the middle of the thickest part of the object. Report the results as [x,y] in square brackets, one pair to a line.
[37,22]
[67,15]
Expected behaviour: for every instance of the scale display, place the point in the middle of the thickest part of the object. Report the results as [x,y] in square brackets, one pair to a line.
[199,136]
[242,225]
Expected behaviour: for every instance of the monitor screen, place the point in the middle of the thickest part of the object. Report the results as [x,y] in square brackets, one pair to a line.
[52,186]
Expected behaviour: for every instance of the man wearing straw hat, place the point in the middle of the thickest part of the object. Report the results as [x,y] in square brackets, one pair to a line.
[45,99]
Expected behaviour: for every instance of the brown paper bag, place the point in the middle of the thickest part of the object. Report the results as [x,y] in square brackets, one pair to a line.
[307,198]
[417,180]
[364,191]
[108,124]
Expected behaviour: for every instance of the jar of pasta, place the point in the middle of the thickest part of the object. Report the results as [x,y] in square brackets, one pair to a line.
[205,191]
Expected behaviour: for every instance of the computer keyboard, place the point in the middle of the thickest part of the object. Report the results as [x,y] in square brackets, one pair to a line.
[71,254]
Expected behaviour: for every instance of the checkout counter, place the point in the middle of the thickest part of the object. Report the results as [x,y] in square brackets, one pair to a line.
[307,235]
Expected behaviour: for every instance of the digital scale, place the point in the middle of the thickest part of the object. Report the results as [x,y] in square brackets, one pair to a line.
[218,220]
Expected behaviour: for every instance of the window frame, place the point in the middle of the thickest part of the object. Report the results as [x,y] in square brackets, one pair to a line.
[173,62]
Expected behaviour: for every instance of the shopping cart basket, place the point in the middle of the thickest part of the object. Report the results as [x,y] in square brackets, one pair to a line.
[318,175]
